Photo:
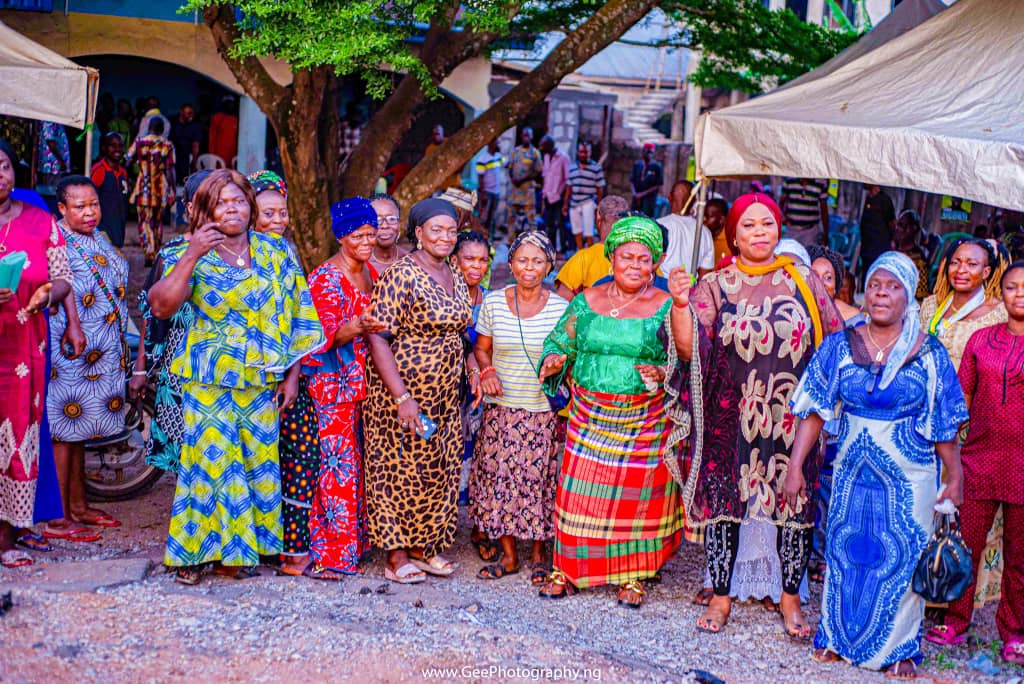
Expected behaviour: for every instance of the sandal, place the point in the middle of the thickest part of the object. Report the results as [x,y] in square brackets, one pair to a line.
[904,670]
[539,573]
[237,572]
[1013,652]
[75,534]
[406,574]
[796,632]
[15,558]
[635,587]
[488,550]
[319,572]
[714,621]
[189,575]
[704,596]
[825,656]
[99,519]
[944,635]
[557,580]
[496,571]
[33,542]
[442,567]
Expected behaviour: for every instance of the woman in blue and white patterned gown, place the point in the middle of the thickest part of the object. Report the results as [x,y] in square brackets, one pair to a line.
[901,406]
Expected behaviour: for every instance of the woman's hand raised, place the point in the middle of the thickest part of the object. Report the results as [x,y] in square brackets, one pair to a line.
[679,284]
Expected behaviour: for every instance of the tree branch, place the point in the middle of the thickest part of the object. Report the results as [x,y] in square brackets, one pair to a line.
[250,74]
[603,28]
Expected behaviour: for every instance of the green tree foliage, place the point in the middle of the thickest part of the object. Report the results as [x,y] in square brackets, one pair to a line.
[424,41]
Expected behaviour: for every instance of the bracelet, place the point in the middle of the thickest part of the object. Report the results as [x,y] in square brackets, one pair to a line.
[473,371]
[676,306]
[402,398]
[487,370]
[138,372]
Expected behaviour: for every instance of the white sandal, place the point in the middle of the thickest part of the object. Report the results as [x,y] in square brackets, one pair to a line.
[407,574]
[442,567]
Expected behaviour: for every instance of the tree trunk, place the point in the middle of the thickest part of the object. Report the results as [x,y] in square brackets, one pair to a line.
[308,139]
[605,26]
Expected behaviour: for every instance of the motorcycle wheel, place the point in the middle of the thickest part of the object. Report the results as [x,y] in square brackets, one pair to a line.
[116,468]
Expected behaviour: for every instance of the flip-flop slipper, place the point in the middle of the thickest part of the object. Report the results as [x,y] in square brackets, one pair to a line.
[243,572]
[102,520]
[33,542]
[703,597]
[76,534]
[793,634]
[944,635]
[717,617]
[317,572]
[494,550]
[825,656]
[1013,652]
[442,567]
[189,576]
[496,571]
[539,573]
[406,574]
[15,558]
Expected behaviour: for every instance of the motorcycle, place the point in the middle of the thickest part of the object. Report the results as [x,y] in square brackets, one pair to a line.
[115,467]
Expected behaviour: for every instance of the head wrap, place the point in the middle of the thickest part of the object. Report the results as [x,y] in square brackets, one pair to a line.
[427,209]
[650,146]
[838,265]
[193,182]
[740,206]
[795,249]
[12,155]
[264,180]
[537,238]
[905,271]
[351,214]
[635,229]
[462,199]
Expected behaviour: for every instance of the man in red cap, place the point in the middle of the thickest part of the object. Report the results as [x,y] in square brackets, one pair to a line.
[646,180]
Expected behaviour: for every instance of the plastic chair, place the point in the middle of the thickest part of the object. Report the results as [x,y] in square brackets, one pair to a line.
[210,161]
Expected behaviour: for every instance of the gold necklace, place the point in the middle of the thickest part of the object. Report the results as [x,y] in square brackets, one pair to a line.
[3,242]
[614,312]
[881,350]
[239,261]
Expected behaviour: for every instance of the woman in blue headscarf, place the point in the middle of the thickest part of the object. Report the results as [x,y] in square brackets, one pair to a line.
[341,289]
[902,405]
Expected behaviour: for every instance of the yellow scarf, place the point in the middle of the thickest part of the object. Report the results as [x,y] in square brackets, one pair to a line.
[787,264]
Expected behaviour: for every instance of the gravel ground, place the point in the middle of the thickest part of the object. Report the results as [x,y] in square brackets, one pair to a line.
[270,628]
[280,628]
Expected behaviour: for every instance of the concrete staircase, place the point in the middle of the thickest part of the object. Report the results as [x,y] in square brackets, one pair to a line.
[645,111]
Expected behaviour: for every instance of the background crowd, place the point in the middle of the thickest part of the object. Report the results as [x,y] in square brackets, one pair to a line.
[601,411]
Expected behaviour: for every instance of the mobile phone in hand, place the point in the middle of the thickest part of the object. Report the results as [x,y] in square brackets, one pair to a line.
[427,427]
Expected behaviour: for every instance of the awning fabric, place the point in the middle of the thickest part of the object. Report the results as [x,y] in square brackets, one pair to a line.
[40,84]
[937,108]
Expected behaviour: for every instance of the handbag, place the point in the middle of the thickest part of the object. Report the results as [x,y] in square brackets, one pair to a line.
[563,395]
[944,571]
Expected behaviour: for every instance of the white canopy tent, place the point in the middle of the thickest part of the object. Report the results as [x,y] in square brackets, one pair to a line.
[937,109]
[40,84]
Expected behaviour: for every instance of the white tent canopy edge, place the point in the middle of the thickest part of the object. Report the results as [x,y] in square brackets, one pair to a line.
[936,109]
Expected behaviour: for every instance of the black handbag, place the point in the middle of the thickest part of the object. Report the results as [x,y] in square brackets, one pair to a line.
[944,571]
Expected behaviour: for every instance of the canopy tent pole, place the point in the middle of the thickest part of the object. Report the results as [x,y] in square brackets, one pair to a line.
[702,196]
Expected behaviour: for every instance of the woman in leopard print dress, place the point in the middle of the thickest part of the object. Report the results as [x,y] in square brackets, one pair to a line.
[412,476]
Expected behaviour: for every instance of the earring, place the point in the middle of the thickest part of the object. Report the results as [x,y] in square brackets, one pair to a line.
[419,244]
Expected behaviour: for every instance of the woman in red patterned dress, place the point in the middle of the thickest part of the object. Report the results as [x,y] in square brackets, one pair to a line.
[341,289]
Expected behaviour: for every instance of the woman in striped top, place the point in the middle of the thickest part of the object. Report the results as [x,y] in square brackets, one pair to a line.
[515,465]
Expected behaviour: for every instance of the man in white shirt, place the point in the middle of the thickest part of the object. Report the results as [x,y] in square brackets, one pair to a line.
[681,230]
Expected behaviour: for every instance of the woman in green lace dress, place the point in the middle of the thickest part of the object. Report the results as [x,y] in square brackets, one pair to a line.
[617,514]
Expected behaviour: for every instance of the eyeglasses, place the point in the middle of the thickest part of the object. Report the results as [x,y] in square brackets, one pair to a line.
[390,219]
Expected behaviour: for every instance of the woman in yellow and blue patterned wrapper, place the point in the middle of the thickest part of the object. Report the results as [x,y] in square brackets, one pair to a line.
[239,365]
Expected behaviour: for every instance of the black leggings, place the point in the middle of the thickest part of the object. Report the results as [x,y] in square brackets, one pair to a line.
[722,541]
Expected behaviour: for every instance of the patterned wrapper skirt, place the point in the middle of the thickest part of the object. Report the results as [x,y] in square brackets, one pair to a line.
[300,461]
[227,504]
[515,468]
[618,516]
